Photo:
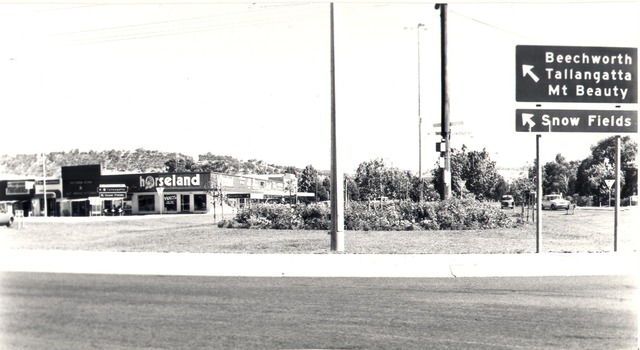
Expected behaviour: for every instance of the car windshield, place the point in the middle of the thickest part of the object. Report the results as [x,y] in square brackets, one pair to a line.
[506,198]
[553,197]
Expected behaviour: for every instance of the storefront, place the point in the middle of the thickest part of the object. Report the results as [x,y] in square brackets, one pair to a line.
[87,191]
[29,196]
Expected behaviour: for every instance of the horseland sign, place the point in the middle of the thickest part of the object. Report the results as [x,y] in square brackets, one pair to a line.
[174,180]
[576,74]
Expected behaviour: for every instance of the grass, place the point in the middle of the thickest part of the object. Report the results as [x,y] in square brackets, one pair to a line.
[588,230]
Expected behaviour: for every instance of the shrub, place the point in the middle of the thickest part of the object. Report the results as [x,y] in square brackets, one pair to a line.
[451,214]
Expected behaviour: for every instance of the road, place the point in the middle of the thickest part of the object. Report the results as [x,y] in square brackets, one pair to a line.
[83,311]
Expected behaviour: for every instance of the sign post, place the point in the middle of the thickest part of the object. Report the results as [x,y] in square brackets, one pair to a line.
[577,74]
[160,191]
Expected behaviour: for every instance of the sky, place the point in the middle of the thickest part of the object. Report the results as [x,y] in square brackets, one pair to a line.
[252,80]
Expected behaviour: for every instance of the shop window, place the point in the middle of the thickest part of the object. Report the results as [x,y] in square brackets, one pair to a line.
[171,202]
[147,203]
[200,202]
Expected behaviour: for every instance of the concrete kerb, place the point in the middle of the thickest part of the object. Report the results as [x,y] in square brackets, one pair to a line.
[321,265]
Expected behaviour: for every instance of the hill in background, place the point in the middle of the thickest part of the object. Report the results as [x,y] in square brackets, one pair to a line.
[140,160]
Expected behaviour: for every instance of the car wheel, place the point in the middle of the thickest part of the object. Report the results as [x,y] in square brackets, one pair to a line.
[10,222]
[553,207]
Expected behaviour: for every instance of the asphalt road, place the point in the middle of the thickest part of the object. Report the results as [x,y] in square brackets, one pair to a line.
[84,311]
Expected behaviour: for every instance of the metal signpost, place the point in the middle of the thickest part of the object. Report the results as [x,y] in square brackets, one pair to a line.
[576,74]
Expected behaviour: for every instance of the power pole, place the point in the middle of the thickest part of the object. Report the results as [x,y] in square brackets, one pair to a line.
[444,103]
[337,194]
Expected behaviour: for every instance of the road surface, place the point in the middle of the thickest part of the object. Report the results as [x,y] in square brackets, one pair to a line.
[84,311]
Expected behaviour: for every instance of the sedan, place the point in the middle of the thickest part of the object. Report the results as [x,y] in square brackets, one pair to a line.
[554,201]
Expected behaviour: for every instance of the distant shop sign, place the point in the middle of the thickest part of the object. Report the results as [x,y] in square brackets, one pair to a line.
[576,74]
[150,181]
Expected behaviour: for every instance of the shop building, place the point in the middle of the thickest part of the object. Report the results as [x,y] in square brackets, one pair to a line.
[87,190]
[29,195]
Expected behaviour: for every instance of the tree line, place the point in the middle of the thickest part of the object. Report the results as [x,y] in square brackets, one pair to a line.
[473,173]
[140,160]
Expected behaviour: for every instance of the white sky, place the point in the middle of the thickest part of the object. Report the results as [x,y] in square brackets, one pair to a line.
[252,81]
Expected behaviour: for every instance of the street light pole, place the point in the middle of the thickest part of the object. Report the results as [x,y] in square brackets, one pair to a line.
[420,186]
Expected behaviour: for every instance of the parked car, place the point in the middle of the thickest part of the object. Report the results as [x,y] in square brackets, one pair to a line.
[507,201]
[554,201]
[6,215]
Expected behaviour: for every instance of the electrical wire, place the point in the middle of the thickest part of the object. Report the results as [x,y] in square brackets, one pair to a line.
[266,15]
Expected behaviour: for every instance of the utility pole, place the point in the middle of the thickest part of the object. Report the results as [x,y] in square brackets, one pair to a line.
[444,103]
[337,194]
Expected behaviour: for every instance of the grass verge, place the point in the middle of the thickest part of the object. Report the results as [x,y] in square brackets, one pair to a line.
[588,230]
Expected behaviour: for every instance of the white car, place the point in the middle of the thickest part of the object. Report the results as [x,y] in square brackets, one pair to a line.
[554,201]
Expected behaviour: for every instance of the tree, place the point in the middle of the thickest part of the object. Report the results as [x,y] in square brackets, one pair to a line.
[369,178]
[520,187]
[308,179]
[374,180]
[476,172]
[600,165]
[560,176]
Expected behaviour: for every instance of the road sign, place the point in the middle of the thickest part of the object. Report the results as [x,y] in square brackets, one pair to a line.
[112,191]
[112,194]
[576,74]
[564,120]
[104,189]
[609,182]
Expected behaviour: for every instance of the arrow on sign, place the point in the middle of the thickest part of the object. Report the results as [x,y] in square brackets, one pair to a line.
[526,119]
[527,69]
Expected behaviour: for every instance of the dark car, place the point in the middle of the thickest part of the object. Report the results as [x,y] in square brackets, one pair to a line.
[6,215]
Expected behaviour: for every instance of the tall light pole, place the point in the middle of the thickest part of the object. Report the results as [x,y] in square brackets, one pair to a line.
[420,186]
[419,119]
[337,194]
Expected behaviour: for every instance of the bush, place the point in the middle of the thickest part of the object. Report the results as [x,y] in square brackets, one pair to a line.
[452,214]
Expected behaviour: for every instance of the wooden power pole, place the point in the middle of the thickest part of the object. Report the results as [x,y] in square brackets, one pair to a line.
[444,104]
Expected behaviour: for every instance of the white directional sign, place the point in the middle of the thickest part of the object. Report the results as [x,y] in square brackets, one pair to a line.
[564,120]
[576,74]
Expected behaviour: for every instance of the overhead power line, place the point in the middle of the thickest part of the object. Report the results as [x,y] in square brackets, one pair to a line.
[245,18]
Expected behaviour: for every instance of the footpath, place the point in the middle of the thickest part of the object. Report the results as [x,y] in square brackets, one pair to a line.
[321,265]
